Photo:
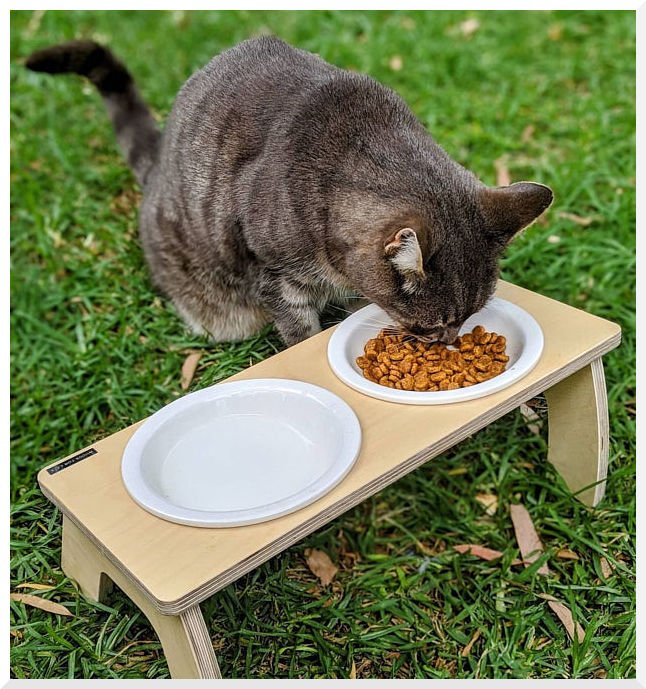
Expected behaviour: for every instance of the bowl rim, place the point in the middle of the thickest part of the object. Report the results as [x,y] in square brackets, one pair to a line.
[139,490]
[344,370]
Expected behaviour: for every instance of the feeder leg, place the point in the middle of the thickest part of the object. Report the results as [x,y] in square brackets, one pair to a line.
[184,637]
[578,431]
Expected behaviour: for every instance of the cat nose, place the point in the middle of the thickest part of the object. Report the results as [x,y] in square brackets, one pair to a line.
[448,335]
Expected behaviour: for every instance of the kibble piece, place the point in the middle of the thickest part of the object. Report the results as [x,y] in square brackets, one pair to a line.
[407,382]
[483,363]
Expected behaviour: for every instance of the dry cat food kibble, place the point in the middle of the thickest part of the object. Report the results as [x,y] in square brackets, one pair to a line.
[403,363]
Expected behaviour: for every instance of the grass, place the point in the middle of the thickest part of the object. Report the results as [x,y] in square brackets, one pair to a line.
[94,348]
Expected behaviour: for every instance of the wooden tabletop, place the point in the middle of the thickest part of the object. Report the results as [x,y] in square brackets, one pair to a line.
[177,566]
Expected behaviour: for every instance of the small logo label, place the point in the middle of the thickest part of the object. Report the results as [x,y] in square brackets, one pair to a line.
[71,460]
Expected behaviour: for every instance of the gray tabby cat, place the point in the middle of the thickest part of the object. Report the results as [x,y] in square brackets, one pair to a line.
[282,184]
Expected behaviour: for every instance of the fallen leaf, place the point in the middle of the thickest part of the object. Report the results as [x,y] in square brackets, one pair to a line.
[396,63]
[467,649]
[488,501]
[481,552]
[534,421]
[606,567]
[188,369]
[41,603]
[503,178]
[578,219]
[469,27]
[320,565]
[529,543]
[37,587]
[566,554]
[528,133]
[565,615]
[407,23]
[555,32]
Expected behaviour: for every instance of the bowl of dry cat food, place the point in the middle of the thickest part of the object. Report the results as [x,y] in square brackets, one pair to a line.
[495,348]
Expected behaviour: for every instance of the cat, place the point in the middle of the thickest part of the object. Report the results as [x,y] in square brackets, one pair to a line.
[282,184]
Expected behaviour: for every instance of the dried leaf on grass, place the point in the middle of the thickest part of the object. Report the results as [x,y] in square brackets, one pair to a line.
[353,671]
[531,549]
[503,178]
[41,603]
[528,133]
[578,219]
[565,615]
[555,32]
[534,421]
[566,554]
[321,565]
[467,649]
[606,567]
[469,27]
[482,552]
[188,369]
[529,543]
[488,501]
[396,63]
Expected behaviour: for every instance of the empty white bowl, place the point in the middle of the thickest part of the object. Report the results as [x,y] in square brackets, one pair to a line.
[241,453]
[524,348]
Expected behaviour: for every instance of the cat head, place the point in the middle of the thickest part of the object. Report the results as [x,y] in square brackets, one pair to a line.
[431,268]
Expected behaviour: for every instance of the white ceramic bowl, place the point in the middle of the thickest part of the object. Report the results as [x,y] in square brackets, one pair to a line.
[241,453]
[524,348]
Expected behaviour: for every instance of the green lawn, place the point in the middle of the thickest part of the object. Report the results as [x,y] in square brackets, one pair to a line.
[94,348]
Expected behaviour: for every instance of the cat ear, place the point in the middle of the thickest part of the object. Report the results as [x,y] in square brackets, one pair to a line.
[405,253]
[507,210]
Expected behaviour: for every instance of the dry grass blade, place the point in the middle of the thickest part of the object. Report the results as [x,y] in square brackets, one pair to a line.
[529,543]
[188,368]
[578,219]
[41,603]
[467,649]
[35,587]
[321,565]
[503,178]
[353,671]
[565,615]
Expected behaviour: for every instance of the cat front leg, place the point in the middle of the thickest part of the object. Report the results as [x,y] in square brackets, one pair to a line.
[294,307]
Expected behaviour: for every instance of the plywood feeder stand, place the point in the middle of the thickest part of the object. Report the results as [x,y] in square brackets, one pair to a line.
[168,569]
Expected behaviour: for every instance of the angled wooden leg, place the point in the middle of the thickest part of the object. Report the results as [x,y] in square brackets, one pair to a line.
[184,637]
[578,431]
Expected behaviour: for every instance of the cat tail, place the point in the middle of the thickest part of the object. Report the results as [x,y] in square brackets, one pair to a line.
[137,133]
